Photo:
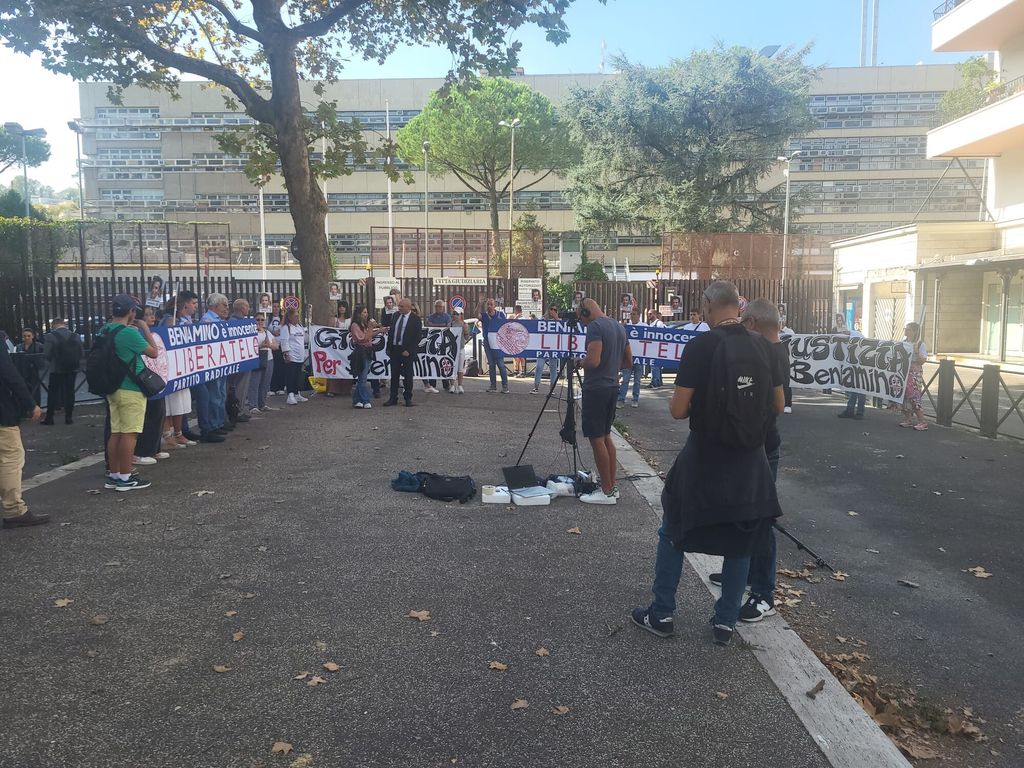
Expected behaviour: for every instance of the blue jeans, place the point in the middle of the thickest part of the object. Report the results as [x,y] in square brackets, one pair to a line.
[361,387]
[636,372]
[538,372]
[855,403]
[762,567]
[496,358]
[656,376]
[218,395]
[668,567]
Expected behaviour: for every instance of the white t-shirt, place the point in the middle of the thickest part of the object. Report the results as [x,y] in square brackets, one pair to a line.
[701,326]
[293,342]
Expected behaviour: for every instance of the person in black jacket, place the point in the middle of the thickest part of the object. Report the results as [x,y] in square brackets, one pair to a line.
[403,346]
[63,351]
[15,402]
[30,362]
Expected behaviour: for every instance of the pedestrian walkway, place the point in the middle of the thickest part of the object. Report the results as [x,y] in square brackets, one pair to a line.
[302,557]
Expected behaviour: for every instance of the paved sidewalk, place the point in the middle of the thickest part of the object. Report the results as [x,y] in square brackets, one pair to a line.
[928,506]
[322,562]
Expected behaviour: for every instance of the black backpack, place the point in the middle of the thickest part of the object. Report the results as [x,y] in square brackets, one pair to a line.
[740,396]
[447,487]
[104,370]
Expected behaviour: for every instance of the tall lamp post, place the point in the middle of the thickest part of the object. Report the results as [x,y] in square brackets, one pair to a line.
[785,226]
[511,125]
[263,236]
[426,207]
[76,126]
[15,129]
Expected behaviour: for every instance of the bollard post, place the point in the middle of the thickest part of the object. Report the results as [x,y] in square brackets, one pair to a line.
[944,404]
[990,401]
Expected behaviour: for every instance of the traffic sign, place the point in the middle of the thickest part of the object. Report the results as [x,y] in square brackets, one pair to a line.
[291,302]
[458,302]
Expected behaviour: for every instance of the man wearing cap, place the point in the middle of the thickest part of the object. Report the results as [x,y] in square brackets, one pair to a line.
[437,319]
[127,404]
[550,362]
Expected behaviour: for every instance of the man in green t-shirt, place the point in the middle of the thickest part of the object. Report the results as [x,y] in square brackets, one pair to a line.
[127,404]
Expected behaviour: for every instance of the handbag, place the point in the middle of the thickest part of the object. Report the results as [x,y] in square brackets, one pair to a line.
[149,382]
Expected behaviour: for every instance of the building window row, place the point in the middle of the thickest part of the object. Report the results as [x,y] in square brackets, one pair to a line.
[883,196]
[371,202]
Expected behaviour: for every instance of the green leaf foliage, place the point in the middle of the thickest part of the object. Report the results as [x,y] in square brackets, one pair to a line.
[976,80]
[38,150]
[683,147]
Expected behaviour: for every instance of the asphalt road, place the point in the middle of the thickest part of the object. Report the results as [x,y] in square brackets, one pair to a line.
[929,506]
[322,561]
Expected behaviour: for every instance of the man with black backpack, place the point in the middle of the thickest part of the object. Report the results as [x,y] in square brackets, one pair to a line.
[63,351]
[719,497]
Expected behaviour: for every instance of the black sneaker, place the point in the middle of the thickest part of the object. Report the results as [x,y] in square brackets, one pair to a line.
[845,415]
[133,483]
[109,482]
[716,579]
[658,627]
[756,608]
[212,437]
[721,633]
[25,519]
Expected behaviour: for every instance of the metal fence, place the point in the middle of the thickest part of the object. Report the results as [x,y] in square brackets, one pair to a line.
[986,398]
[742,255]
[451,252]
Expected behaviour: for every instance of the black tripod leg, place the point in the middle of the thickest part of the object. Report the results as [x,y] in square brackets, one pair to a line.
[818,559]
[543,407]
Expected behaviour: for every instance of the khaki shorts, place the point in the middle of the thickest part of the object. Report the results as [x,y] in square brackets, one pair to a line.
[127,411]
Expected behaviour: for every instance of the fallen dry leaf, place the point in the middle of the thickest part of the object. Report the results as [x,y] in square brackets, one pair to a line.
[330,666]
[575,530]
[100,619]
[321,645]
[906,583]
[62,602]
[498,666]
[281,748]
[237,636]
[434,633]
[840,639]
[202,493]
[542,651]
[419,615]
[840,575]
[220,668]
[248,595]
[112,564]
[560,710]
[301,676]
[262,548]
[302,761]
[722,695]
[851,513]
[979,572]
[520,704]
[94,491]
[229,614]
[818,688]
[315,680]
[916,749]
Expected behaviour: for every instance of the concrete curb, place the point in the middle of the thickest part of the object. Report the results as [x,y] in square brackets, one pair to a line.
[839,726]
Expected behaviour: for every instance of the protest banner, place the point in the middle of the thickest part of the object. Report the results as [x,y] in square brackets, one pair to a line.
[190,355]
[542,339]
[855,364]
[330,349]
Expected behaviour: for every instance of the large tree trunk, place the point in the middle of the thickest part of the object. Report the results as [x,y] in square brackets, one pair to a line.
[305,198]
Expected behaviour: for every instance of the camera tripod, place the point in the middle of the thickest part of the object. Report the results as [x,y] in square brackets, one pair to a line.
[568,373]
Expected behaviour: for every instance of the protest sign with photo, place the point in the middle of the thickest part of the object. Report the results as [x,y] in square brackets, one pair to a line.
[531,297]
[382,287]
[855,364]
[626,304]
[539,339]
[265,304]
[330,350]
[190,355]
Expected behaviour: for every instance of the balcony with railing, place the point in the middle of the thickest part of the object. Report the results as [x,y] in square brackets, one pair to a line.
[976,25]
[987,132]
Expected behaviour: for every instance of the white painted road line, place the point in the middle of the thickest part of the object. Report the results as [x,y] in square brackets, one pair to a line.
[63,471]
[838,724]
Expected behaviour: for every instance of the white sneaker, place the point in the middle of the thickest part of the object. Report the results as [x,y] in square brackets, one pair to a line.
[787,409]
[433,390]
[266,408]
[291,400]
[143,460]
[357,405]
[597,497]
[367,406]
[301,399]
[255,411]
[162,455]
[635,404]
[462,390]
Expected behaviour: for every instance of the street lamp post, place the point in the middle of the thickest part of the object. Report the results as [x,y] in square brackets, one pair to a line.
[511,125]
[426,206]
[785,225]
[263,237]
[75,126]
[15,129]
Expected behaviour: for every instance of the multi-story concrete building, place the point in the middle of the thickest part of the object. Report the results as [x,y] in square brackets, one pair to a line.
[154,158]
[963,279]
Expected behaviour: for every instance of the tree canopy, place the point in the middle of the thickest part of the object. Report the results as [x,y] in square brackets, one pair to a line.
[976,82]
[683,147]
[462,126]
[38,150]
[258,51]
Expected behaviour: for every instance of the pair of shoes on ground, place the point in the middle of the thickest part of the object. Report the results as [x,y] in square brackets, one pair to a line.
[431,390]
[295,399]
[408,403]
[133,483]
[504,390]
[456,389]
[146,460]
[755,608]
[364,406]
[665,628]
[848,415]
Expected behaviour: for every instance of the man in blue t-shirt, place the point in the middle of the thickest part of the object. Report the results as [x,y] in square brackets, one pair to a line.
[490,316]
[608,352]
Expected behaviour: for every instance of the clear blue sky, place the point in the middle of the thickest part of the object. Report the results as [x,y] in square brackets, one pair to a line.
[645,31]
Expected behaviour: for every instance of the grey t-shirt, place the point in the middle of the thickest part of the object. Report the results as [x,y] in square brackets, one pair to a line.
[613,341]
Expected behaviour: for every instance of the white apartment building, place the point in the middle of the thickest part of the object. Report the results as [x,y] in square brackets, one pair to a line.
[964,280]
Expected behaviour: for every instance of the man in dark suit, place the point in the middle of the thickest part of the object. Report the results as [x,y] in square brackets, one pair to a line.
[403,345]
[63,350]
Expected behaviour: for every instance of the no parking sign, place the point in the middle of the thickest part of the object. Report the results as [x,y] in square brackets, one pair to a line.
[291,302]
[458,302]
